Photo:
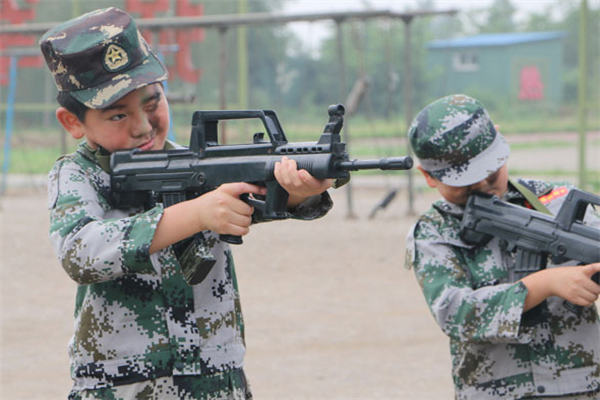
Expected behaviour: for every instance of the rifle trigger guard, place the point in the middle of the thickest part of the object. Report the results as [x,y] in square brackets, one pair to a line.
[257,204]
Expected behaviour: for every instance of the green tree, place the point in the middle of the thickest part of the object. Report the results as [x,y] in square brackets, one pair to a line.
[266,49]
[568,20]
[498,18]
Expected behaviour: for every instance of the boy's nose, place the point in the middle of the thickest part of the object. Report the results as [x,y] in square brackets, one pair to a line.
[143,125]
[484,184]
[479,186]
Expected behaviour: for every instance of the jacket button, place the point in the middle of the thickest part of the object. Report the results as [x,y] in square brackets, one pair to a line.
[541,389]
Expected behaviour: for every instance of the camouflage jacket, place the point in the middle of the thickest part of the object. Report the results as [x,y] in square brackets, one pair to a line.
[136,318]
[496,351]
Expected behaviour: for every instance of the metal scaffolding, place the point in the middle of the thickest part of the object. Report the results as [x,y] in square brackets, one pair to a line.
[222,23]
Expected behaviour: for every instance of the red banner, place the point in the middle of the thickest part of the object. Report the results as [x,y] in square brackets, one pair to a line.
[183,67]
[12,14]
[531,85]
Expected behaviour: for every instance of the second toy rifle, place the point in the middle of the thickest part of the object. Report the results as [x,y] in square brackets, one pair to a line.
[533,235]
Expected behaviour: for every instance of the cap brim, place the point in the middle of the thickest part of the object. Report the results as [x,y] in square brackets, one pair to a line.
[101,96]
[478,168]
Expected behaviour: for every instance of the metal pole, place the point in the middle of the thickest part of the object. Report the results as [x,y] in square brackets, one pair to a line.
[229,20]
[75,8]
[222,78]
[242,59]
[408,104]
[243,66]
[10,111]
[582,98]
[48,91]
[345,133]
[159,53]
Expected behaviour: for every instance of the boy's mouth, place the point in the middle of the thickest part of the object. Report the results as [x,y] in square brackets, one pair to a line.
[147,146]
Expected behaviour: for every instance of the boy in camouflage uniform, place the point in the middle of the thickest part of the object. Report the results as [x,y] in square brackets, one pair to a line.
[502,345]
[141,332]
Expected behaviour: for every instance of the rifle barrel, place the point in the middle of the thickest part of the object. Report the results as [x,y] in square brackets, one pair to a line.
[389,163]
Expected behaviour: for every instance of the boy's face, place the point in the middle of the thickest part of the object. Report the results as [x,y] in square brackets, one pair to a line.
[138,120]
[495,184]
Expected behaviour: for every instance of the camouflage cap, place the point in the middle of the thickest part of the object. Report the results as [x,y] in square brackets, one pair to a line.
[99,57]
[455,141]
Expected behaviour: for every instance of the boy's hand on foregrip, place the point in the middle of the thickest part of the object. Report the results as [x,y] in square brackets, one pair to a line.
[298,183]
[221,210]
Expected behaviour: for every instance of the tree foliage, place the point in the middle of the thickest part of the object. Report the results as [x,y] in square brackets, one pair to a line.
[376,50]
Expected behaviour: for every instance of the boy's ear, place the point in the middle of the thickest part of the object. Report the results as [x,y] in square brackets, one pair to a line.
[70,122]
[431,181]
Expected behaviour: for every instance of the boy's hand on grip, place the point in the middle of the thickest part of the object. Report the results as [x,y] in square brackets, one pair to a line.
[221,210]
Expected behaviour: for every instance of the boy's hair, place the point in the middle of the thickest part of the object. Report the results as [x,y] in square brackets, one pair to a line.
[72,105]
[456,142]
[100,57]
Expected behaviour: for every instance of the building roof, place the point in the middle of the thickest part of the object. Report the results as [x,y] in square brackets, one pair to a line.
[496,39]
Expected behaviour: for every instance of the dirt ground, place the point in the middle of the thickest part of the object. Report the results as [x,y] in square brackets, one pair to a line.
[330,311]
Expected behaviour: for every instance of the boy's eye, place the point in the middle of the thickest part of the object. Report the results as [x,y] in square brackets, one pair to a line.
[152,106]
[117,117]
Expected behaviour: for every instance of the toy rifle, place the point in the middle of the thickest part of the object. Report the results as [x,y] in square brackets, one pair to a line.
[533,235]
[144,178]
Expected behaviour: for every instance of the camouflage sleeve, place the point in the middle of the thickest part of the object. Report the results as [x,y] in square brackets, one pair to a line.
[94,242]
[311,208]
[466,309]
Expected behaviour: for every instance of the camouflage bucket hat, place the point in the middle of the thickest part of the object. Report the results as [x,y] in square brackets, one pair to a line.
[456,142]
[99,57]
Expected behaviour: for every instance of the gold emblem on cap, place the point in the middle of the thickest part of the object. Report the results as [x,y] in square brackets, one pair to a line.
[115,57]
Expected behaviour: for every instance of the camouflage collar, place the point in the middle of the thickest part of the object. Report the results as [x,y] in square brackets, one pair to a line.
[444,207]
[102,157]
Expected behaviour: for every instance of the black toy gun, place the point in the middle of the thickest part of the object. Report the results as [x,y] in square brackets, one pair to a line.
[534,236]
[171,176]
[144,178]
